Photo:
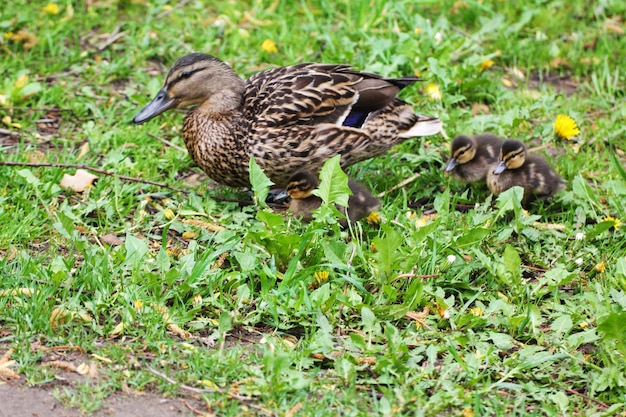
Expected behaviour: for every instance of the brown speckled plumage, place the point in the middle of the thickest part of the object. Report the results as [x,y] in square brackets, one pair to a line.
[303,202]
[288,118]
[532,173]
[472,157]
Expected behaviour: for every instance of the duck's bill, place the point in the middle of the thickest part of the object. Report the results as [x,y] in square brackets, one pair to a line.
[499,169]
[451,164]
[158,105]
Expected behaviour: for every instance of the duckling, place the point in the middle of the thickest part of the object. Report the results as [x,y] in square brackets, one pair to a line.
[472,157]
[533,173]
[303,202]
[288,118]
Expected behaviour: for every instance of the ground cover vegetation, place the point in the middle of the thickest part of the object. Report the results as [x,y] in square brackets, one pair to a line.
[450,302]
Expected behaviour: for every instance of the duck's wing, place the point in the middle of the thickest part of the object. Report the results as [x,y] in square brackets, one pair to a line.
[311,94]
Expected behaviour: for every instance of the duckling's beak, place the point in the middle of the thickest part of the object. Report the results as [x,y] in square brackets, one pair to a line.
[499,169]
[451,164]
[158,105]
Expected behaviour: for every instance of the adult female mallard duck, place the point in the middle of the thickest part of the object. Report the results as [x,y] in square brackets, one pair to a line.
[471,157]
[301,185]
[532,173]
[288,118]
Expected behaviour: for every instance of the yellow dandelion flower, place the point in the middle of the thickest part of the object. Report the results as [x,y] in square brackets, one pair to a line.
[565,127]
[197,300]
[189,235]
[477,311]
[417,31]
[51,8]
[138,304]
[601,267]
[433,92]
[321,276]
[169,214]
[8,35]
[468,412]
[374,218]
[616,222]
[21,81]
[487,64]
[269,46]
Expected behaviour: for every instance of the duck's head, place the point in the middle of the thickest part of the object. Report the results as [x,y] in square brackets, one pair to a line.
[193,79]
[512,156]
[301,185]
[462,150]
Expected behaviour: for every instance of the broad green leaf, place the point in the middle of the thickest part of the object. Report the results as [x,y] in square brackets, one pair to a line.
[562,324]
[620,267]
[472,237]
[510,199]
[614,328]
[387,248]
[333,186]
[65,225]
[29,177]
[136,249]
[259,182]
[271,220]
[582,189]
[512,265]
[502,341]
[618,165]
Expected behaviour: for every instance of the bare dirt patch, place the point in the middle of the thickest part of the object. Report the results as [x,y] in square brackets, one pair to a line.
[18,400]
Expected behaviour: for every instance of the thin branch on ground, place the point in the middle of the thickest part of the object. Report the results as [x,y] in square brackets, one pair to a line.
[9,133]
[92,169]
[167,142]
[246,400]
[399,185]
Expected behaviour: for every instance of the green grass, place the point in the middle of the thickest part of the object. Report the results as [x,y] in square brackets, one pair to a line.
[525,320]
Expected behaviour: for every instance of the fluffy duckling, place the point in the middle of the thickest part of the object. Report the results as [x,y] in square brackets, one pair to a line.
[533,173]
[303,202]
[288,118]
[471,157]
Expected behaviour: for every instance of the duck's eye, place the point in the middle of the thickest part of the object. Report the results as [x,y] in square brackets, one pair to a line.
[186,74]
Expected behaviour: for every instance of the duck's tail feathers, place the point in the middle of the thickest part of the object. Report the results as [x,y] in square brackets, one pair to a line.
[425,126]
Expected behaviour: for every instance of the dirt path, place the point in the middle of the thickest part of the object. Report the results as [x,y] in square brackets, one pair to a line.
[19,401]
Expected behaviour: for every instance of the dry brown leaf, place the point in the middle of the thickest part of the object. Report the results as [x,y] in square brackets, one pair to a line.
[82,369]
[174,328]
[65,366]
[480,108]
[111,239]
[5,365]
[83,150]
[368,360]
[61,315]
[293,410]
[550,226]
[79,181]
[117,330]
[17,291]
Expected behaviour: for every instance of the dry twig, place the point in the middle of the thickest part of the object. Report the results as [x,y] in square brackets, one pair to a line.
[92,169]
[246,400]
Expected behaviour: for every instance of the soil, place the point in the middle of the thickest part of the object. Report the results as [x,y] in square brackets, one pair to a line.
[19,401]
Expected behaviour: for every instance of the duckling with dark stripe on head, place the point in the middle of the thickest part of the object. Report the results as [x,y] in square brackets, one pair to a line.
[300,188]
[516,168]
[471,157]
